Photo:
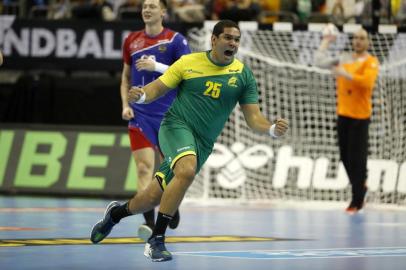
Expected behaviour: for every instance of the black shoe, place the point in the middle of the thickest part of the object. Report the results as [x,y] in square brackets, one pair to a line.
[102,228]
[155,249]
[173,224]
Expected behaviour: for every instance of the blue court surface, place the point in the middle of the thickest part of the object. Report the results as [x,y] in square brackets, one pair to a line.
[53,233]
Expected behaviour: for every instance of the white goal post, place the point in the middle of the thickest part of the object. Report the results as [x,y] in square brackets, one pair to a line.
[249,167]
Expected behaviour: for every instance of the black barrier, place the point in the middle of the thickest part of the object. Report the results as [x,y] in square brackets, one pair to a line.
[66,160]
[51,99]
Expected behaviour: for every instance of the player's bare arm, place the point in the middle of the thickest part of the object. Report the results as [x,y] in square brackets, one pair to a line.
[148,93]
[256,121]
[127,113]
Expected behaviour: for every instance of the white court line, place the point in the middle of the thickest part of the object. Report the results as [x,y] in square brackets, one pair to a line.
[295,254]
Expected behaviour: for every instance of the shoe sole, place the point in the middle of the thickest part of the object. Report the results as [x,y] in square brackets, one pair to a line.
[351,213]
[144,232]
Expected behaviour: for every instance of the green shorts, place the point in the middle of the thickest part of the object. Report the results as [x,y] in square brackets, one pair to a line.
[177,140]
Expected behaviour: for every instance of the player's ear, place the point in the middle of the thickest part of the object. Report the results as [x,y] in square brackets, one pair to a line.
[213,38]
[163,12]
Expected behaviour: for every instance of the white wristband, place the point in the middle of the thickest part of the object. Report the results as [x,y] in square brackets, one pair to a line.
[141,100]
[272,131]
[161,68]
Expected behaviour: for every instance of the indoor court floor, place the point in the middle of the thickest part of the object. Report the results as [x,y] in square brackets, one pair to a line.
[53,233]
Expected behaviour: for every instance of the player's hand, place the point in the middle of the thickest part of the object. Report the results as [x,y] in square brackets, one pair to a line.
[336,70]
[330,38]
[135,94]
[145,64]
[281,126]
[340,71]
[127,113]
[330,33]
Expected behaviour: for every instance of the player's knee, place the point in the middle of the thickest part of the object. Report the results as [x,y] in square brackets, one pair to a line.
[144,169]
[185,169]
[153,199]
[186,172]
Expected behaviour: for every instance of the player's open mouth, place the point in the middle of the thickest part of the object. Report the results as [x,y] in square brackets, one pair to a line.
[228,52]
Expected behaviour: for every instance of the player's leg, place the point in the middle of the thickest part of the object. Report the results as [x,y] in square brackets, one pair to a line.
[184,172]
[178,146]
[145,162]
[358,161]
[175,179]
[141,202]
[342,136]
[344,131]
[144,156]
[174,223]
[175,188]
[146,199]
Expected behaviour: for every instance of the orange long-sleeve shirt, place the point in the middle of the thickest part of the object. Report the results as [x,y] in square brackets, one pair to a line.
[354,97]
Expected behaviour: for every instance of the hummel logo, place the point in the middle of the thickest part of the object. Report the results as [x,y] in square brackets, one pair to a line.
[182,149]
[193,71]
[234,162]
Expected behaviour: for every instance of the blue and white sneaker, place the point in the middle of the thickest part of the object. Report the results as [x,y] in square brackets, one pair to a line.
[155,249]
[103,228]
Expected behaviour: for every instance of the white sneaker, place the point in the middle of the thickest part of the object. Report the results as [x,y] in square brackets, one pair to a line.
[144,232]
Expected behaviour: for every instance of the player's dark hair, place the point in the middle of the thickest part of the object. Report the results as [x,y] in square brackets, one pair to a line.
[219,27]
[162,2]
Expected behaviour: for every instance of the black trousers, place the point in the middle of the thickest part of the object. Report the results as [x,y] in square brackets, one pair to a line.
[353,144]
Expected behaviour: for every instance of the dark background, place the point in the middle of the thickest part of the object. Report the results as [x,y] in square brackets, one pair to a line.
[67,91]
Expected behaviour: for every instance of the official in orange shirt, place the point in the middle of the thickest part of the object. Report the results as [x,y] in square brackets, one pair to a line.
[356,74]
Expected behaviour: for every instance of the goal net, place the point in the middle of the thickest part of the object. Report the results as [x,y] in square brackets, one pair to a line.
[305,165]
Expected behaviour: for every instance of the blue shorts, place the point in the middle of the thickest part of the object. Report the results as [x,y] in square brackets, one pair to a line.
[149,126]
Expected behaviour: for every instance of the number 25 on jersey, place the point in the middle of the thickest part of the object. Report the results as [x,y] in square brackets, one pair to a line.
[213,89]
